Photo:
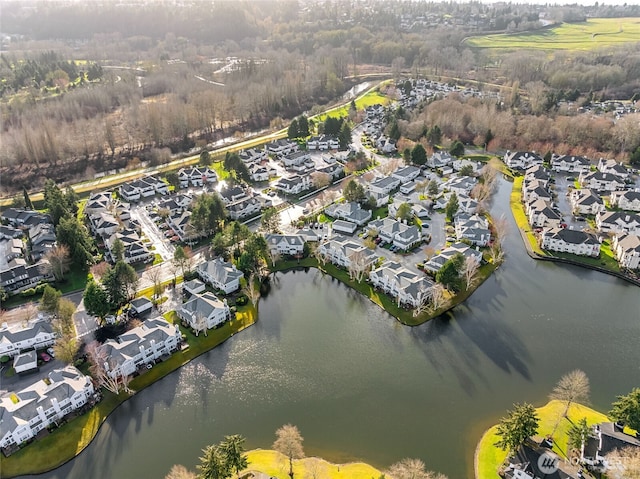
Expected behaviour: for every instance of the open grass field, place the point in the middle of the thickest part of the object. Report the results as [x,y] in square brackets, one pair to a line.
[276,465]
[589,35]
[489,457]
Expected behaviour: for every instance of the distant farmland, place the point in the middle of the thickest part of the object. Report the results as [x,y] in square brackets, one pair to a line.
[589,35]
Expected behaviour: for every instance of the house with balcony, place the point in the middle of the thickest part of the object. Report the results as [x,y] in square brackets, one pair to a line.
[204,310]
[522,160]
[323,142]
[294,185]
[220,274]
[282,147]
[37,334]
[154,339]
[396,232]
[134,251]
[351,211]
[246,207]
[626,200]
[599,181]
[586,202]
[285,244]
[535,190]
[613,167]
[541,214]
[408,288]
[252,156]
[406,174]
[21,276]
[196,176]
[567,240]
[341,251]
[41,404]
[296,158]
[440,159]
[437,261]
[626,247]
[618,222]
[605,438]
[473,228]
[570,164]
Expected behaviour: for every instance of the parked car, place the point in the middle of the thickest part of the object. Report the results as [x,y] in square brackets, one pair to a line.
[45,357]
[51,352]
[580,218]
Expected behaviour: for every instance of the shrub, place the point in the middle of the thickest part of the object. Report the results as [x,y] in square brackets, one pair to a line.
[5,359]
[241,300]
[28,292]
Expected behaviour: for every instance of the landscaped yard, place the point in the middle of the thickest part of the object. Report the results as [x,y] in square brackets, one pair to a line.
[521,218]
[276,465]
[489,457]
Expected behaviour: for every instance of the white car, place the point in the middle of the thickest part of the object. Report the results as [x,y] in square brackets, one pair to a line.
[51,352]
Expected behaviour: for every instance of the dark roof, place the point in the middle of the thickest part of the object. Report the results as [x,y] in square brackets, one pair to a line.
[612,438]
[529,456]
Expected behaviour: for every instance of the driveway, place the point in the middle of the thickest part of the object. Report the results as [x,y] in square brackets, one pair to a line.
[163,246]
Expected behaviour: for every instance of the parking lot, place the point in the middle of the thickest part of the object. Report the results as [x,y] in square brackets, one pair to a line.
[162,244]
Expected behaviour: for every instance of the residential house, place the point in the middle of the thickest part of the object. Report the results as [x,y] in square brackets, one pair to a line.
[139,346]
[340,251]
[143,188]
[220,274]
[26,362]
[140,306]
[406,174]
[295,159]
[334,170]
[260,172]
[618,222]
[253,155]
[570,164]
[181,225]
[522,160]
[586,202]
[605,438]
[440,159]
[25,413]
[394,231]
[129,192]
[626,200]
[294,185]
[599,181]
[626,247]
[460,185]
[467,205]
[436,262]
[458,164]
[535,190]
[21,276]
[285,244]
[323,142]
[42,238]
[473,228]
[195,286]
[97,202]
[408,288]
[541,214]
[384,185]
[10,232]
[537,172]
[206,309]
[37,334]
[196,176]
[134,250]
[351,211]
[232,194]
[245,207]
[572,241]
[525,464]
[613,167]
[18,217]
[282,147]
[342,226]
[386,145]
[103,224]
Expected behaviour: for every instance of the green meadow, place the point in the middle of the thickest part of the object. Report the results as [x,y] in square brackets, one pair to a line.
[589,35]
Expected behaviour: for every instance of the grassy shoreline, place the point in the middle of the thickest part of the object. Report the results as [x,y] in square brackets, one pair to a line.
[65,443]
[488,457]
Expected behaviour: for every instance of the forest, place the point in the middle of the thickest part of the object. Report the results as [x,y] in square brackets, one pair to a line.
[88,88]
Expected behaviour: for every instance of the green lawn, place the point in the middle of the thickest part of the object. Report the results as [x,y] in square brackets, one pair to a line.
[371,97]
[592,34]
[519,215]
[67,441]
[489,457]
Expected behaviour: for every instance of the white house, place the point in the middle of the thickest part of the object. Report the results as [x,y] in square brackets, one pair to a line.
[406,174]
[206,308]
[351,211]
[586,202]
[45,402]
[407,287]
[473,228]
[541,214]
[295,158]
[571,241]
[196,176]
[618,222]
[282,147]
[253,155]
[626,200]
[142,345]
[597,180]
[535,190]
[613,167]
[436,262]
[220,274]
[294,185]
[26,361]
[285,244]
[522,159]
[570,164]
[440,159]
[394,231]
[245,207]
[37,334]
[341,251]
[627,250]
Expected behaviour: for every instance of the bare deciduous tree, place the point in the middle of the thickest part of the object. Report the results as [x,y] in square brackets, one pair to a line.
[358,265]
[470,271]
[178,471]
[624,463]
[572,387]
[101,364]
[320,179]
[289,443]
[155,275]
[424,297]
[316,468]
[200,324]
[412,469]
[252,290]
[57,261]
[437,296]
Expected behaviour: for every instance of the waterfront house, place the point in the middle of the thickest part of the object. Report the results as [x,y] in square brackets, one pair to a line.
[394,231]
[626,247]
[460,185]
[626,200]
[537,172]
[206,309]
[605,438]
[541,214]
[436,262]
[522,160]
[25,413]
[341,251]
[572,241]
[220,274]
[139,346]
[285,244]
[473,228]
[408,288]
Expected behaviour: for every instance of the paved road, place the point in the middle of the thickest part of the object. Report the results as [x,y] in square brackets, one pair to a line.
[163,247]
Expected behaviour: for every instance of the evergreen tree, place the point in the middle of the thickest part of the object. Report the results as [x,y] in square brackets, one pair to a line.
[95,300]
[452,207]
[418,155]
[519,425]
[74,235]
[50,299]
[27,200]
[344,137]
[394,130]
[354,191]
[457,148]
[292,131]
[303,126]
[54,201]
[449,274]
[627,409]
[434,135]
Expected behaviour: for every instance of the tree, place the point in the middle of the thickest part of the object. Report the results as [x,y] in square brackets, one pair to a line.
[117,250]
[57,261]
[252,290]
[466,170]
[320,179]
[437,296]
[27,200]
[212,464]
[50,299]
[344,136]
[182,258]
[303,126]
[289,443]
[354,191]
[519,425]
[500,228]
[634,158]
[232,449]
[626,409]
[100,366]
[54,201]
[207,214]
[624,463]
[449,274]
[418,155]
[457,148]
[73,234]
[358,265]
[155,275]
[452,207]
[411,469]
[96,301]
[394,130]
[205,158]
[292,131]
[434,135]
[404,212]
[120,284]
[572,387]
[66,348]
[578,434]
[432,188]
[271,220]
[470,271]
[178,471]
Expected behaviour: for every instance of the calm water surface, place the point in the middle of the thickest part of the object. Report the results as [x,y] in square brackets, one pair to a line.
[360,386]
